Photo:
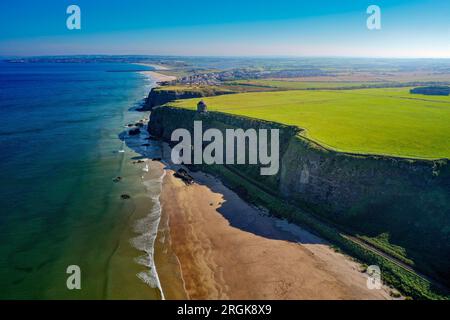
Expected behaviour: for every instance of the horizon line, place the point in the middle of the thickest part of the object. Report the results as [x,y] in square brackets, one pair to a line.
[227,56]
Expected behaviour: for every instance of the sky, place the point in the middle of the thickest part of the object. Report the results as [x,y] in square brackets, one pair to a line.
[409,28]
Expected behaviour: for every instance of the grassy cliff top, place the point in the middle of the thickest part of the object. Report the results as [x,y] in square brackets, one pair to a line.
[387,121]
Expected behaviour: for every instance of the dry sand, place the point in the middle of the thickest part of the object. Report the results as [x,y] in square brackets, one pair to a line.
[213,245]
[158,77]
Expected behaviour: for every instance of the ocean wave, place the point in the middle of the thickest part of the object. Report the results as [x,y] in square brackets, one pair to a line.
[147,228]
[150,278]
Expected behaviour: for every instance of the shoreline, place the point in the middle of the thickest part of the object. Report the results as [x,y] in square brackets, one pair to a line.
[155,66]
[155,75]
[153,270]
[220,247]
[135,246]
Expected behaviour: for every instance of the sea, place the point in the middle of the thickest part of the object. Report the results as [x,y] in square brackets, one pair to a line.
[72,195]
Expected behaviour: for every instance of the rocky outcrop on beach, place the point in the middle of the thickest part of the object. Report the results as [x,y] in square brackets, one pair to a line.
[184,176]
[134,132]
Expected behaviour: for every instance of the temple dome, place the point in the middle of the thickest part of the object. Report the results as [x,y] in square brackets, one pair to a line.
[202,107]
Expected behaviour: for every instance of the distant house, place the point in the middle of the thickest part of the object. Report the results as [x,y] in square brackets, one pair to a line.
[201,107]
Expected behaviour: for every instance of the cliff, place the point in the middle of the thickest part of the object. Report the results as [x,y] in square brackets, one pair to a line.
[366,195]
[161,95]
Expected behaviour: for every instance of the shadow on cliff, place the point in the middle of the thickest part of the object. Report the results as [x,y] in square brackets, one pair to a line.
[417,239]
[249,218]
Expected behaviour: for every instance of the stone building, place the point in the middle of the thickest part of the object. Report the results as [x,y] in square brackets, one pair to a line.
[201,107]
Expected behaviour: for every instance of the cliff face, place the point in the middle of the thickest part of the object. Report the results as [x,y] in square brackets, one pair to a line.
[165,120]
[344,182]
[158,97]
[369,195]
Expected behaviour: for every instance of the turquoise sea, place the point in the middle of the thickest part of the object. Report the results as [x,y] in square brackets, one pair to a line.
[59,140]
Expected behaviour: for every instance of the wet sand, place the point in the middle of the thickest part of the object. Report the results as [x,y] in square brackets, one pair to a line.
[213,245]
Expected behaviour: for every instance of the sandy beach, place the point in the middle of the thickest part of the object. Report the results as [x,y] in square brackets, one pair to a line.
[158,77]
[213,245]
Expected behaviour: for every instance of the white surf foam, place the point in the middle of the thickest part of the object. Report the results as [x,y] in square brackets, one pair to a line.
[147,228]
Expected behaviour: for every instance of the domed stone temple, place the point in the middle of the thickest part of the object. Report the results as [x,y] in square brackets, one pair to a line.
[202,107]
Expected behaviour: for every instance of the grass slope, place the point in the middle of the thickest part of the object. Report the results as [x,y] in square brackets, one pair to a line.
[387,121]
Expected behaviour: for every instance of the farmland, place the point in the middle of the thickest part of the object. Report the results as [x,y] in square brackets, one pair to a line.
[278,84]
[388,121]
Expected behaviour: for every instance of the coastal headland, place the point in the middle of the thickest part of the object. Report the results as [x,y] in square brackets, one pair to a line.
[342,196]
[158,77]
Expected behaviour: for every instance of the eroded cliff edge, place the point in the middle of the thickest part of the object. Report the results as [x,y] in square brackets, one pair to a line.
[366,195]
[161,95]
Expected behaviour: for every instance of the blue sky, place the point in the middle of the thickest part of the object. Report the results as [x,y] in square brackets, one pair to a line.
[410,28]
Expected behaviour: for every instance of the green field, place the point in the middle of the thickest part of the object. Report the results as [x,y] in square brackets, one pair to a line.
[387,121]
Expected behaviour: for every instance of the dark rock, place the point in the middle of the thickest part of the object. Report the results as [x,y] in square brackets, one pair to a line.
[183,175]
[153,138]
[156,159]
[134,132]
[125,196]
[117,179]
